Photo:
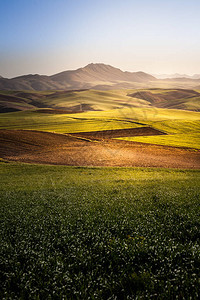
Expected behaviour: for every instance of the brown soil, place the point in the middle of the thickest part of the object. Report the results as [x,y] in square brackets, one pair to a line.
[50,148]
[107,134]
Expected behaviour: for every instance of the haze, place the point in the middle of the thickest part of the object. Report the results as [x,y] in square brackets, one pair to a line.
[51,36]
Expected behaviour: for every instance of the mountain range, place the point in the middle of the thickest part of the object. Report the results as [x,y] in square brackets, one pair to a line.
[176,75]
[91,76]
[99,77]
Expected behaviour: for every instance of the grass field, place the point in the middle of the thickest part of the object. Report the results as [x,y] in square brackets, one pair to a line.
[180,133]
[178,140]
[99,233]
[69,123]
[182,127]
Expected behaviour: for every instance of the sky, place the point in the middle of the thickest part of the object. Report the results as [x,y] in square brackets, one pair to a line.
[50,36]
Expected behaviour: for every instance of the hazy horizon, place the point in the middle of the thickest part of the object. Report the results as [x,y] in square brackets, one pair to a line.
[150,73]
[48,37]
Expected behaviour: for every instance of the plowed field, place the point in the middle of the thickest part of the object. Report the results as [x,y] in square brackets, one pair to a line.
[50,148]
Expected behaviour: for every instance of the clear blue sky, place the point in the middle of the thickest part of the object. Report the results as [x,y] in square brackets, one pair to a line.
[49,36]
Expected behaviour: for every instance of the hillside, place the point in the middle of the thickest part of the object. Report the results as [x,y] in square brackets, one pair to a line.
[173,99]
[92,100]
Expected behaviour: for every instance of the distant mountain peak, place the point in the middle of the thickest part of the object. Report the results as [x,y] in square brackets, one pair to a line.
[91,65]
[99,66]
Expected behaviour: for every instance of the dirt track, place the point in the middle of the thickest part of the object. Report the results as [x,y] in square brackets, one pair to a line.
[50,148]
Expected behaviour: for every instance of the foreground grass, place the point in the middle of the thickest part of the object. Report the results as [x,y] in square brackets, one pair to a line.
[99,233]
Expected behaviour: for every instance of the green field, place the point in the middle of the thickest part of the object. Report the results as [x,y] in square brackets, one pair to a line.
[178,140]
[88,121]
[117,109]
[99,233]
[182,127]
[180,133]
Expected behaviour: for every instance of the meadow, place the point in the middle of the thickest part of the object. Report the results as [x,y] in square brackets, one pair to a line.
[99,233]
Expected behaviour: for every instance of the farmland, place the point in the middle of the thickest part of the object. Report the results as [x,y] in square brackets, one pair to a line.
[100,195]
[85,111]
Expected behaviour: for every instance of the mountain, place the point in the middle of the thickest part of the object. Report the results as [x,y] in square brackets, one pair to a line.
[176,75]
[90,76]
[196,76]
[100,73]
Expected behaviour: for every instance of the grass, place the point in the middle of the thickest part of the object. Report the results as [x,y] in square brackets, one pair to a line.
[74,122]
[63,123]
[99,233]
[180,133]
[178,140]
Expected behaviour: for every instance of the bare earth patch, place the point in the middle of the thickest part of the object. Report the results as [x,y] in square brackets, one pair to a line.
[58,149]
[128,132]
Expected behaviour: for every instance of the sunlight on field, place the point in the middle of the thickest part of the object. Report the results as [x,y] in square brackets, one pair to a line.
[177,140]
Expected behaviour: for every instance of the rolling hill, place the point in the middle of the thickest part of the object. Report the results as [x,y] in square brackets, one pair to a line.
[59,102]
[173,99]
